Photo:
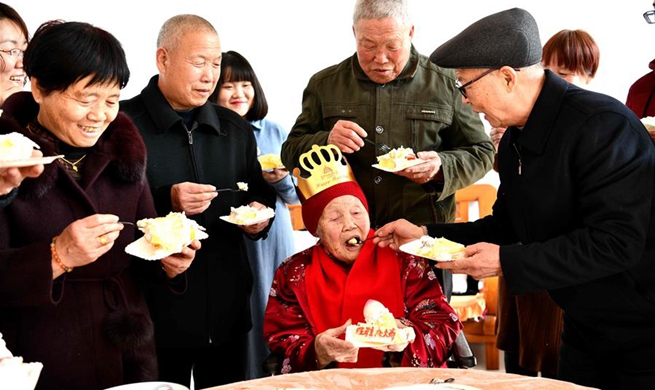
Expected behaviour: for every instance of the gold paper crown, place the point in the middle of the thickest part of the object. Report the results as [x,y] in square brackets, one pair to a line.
[325,166]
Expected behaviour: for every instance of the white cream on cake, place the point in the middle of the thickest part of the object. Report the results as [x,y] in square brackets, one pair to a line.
[172,232]
[397,158]
[243,214]
[380,327]
[242,186]
[15,146]
[270,161]
[14,373]
[439,248]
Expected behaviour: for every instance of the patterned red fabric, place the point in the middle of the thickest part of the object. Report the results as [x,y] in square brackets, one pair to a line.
[290,328]
[337,291]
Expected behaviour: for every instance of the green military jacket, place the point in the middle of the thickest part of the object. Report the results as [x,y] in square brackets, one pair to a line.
[421,109]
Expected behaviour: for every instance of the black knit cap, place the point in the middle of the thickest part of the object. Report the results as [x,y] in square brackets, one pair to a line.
[509,38]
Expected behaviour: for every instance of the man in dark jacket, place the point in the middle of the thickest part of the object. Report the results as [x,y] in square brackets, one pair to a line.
[574,214]
[195,148]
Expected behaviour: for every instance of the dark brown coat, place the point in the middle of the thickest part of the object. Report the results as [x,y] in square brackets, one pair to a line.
[90,328]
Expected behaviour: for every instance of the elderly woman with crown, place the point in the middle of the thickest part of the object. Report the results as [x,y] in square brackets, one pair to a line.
[319,293]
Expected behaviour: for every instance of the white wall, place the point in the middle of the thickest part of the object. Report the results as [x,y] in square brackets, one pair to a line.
[289,40]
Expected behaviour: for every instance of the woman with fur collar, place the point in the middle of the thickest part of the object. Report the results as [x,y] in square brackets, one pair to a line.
[70,297]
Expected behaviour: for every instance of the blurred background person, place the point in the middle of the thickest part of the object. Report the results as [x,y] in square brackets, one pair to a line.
[318,292]
[239,90]
[387,92]
[13,42]
[530,325]
[640,96]
[194,149]
[70,297]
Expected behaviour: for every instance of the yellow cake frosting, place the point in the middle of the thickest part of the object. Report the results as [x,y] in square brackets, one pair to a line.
[397,158]
[170,233]
[439,248]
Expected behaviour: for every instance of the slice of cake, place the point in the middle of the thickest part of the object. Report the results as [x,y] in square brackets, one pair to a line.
[14,373]
[399,158]
[440,248]
[270,161]
[242,215]
[171,233]
[15,146]
[379,329]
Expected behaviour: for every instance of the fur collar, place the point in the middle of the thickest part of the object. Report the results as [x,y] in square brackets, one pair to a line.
[121,144]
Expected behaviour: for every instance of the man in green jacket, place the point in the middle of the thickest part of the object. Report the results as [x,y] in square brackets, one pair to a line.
[388,93]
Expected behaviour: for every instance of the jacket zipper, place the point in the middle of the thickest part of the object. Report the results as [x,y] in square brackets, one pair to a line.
[189,134]
[518,153]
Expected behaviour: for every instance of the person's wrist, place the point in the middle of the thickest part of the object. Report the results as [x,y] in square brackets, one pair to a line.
[424,230]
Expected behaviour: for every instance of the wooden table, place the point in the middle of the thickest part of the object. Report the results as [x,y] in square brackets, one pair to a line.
[381,378]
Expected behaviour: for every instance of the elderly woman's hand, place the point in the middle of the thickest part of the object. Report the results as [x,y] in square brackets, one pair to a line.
[85,240]
[330,348]
[256,228]
[178,263]
[402,230]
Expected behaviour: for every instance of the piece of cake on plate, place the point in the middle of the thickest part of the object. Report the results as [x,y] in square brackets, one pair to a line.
[270,161]
[380,328]
[440,249]
[171,233]
[14,373]
[399,158]
[15,146]
[243,214]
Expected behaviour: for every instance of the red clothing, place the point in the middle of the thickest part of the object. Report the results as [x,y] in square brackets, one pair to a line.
[290,329]
[640,97]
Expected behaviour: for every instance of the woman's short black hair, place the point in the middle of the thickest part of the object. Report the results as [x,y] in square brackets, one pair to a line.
[235,67]
[62,53]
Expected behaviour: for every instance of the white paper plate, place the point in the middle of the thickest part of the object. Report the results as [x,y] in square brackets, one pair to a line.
[142,248]
[413,247]
[262,215]
[28,161]
[410,163]
[149,386]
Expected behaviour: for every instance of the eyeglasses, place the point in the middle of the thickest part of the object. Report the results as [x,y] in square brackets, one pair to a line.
[462,88]
[650,17]
[14,53]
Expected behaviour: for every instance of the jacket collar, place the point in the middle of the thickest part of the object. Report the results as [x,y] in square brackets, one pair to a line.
[544,113]
[120,151]
[408,72]
[165,117]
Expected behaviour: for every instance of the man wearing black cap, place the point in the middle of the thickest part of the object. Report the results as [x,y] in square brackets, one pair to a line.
[574,214]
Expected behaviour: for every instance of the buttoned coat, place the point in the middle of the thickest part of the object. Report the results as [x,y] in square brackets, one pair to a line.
[420,109]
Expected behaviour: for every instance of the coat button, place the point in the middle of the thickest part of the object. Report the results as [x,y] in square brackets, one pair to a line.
[379,129]
[377,179]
